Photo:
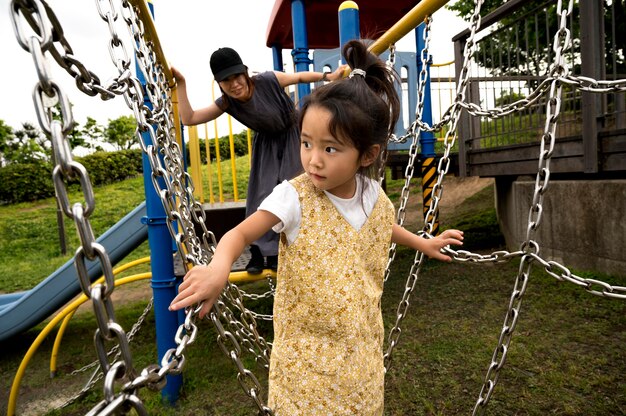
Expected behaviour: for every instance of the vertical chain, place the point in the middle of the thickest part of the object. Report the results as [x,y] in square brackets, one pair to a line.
[47,95]
[176,190]
[450,137]
[414,146]
[415,132]
[530,247]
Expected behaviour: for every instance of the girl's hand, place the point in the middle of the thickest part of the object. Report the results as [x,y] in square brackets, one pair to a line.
[201,283]
[446,238]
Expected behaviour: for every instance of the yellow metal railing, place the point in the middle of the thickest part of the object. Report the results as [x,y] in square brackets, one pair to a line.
[441,91]
[409,22]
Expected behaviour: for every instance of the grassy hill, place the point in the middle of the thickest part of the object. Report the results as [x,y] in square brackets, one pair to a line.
[566,356]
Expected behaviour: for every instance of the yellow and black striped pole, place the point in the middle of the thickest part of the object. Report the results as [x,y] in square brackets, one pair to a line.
[429,177]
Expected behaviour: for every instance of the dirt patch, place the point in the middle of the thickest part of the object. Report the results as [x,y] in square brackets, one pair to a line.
[455,191]
[124,294]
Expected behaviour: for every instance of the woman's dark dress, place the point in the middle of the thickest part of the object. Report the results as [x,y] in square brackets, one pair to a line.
[272,115]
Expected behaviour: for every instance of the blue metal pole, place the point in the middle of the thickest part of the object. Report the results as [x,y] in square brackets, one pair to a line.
[300,50]
[349,25]
[277,56]
[427,139]
[161,263]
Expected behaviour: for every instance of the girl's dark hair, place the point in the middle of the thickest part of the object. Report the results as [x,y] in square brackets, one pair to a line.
[364,109]
[226,99]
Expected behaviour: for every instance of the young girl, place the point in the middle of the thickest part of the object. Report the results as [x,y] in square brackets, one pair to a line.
[336,225]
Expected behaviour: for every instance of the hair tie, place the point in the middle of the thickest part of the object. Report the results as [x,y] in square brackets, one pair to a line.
[357,71]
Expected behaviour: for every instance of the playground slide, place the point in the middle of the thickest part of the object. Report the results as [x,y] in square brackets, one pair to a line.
[21,311]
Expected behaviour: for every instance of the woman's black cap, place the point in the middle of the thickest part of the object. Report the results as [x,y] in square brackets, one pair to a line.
[226,62]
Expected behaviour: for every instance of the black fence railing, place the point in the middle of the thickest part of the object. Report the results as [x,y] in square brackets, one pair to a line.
[514,52]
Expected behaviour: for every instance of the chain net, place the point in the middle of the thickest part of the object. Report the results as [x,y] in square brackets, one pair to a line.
[40,33]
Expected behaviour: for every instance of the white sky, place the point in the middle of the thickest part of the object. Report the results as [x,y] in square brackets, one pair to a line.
[189,31]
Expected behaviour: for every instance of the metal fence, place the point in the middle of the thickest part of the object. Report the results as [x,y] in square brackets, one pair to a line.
[513,55]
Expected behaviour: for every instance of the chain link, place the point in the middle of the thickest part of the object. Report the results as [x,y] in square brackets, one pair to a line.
[46,28]
[530,247]
[444,161]
[97,374]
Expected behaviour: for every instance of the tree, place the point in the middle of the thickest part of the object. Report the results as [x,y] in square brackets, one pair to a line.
[6,137]
[34,146]
[26,145]
[121,132]
[500,51]
[93,134]
[524,47]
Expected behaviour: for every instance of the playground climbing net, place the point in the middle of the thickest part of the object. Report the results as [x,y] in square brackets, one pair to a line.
[238,334]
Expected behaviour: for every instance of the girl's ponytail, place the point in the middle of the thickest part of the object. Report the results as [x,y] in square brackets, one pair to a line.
[379,77]
[364,107]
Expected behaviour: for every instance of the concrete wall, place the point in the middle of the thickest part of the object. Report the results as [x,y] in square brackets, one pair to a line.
[583,224]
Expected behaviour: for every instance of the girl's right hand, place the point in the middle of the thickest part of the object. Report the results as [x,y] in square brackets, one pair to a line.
[201,283]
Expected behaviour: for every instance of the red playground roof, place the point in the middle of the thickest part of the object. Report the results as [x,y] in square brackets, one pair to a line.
[375,17]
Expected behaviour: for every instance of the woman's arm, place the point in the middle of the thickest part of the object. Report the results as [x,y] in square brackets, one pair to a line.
[188,115]
[285,79]
[431,246]
[205,283]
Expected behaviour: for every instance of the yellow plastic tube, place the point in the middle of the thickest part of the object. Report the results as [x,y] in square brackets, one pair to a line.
[15,387]
[57,340]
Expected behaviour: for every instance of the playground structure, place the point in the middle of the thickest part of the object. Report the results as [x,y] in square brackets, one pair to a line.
[182,213]
[588,162]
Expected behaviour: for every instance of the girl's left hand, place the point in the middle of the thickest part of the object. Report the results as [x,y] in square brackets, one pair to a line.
[446,238]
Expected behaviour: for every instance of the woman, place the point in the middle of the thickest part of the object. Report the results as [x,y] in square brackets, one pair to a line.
[260,103]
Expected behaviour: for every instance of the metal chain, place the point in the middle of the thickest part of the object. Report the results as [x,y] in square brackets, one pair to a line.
[530,247]
[580,82]
[169,180]
[47,95]
[592,85]
[176,191]
[60,49]
[97,374]
[247,324]
[413,148]
[452,113]
[437,187]
[268,294]
[248,381]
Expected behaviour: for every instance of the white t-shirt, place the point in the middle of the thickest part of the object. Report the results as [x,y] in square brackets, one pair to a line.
[285,204]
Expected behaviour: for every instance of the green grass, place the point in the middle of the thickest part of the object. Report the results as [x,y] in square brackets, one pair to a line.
[242,167]
[566,357]
[29,234]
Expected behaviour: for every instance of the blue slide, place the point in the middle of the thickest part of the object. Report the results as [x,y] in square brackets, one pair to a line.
[21,311]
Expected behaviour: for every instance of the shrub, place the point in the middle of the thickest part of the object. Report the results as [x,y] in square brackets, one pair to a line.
[108,167]
[21,182]
[240,142]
